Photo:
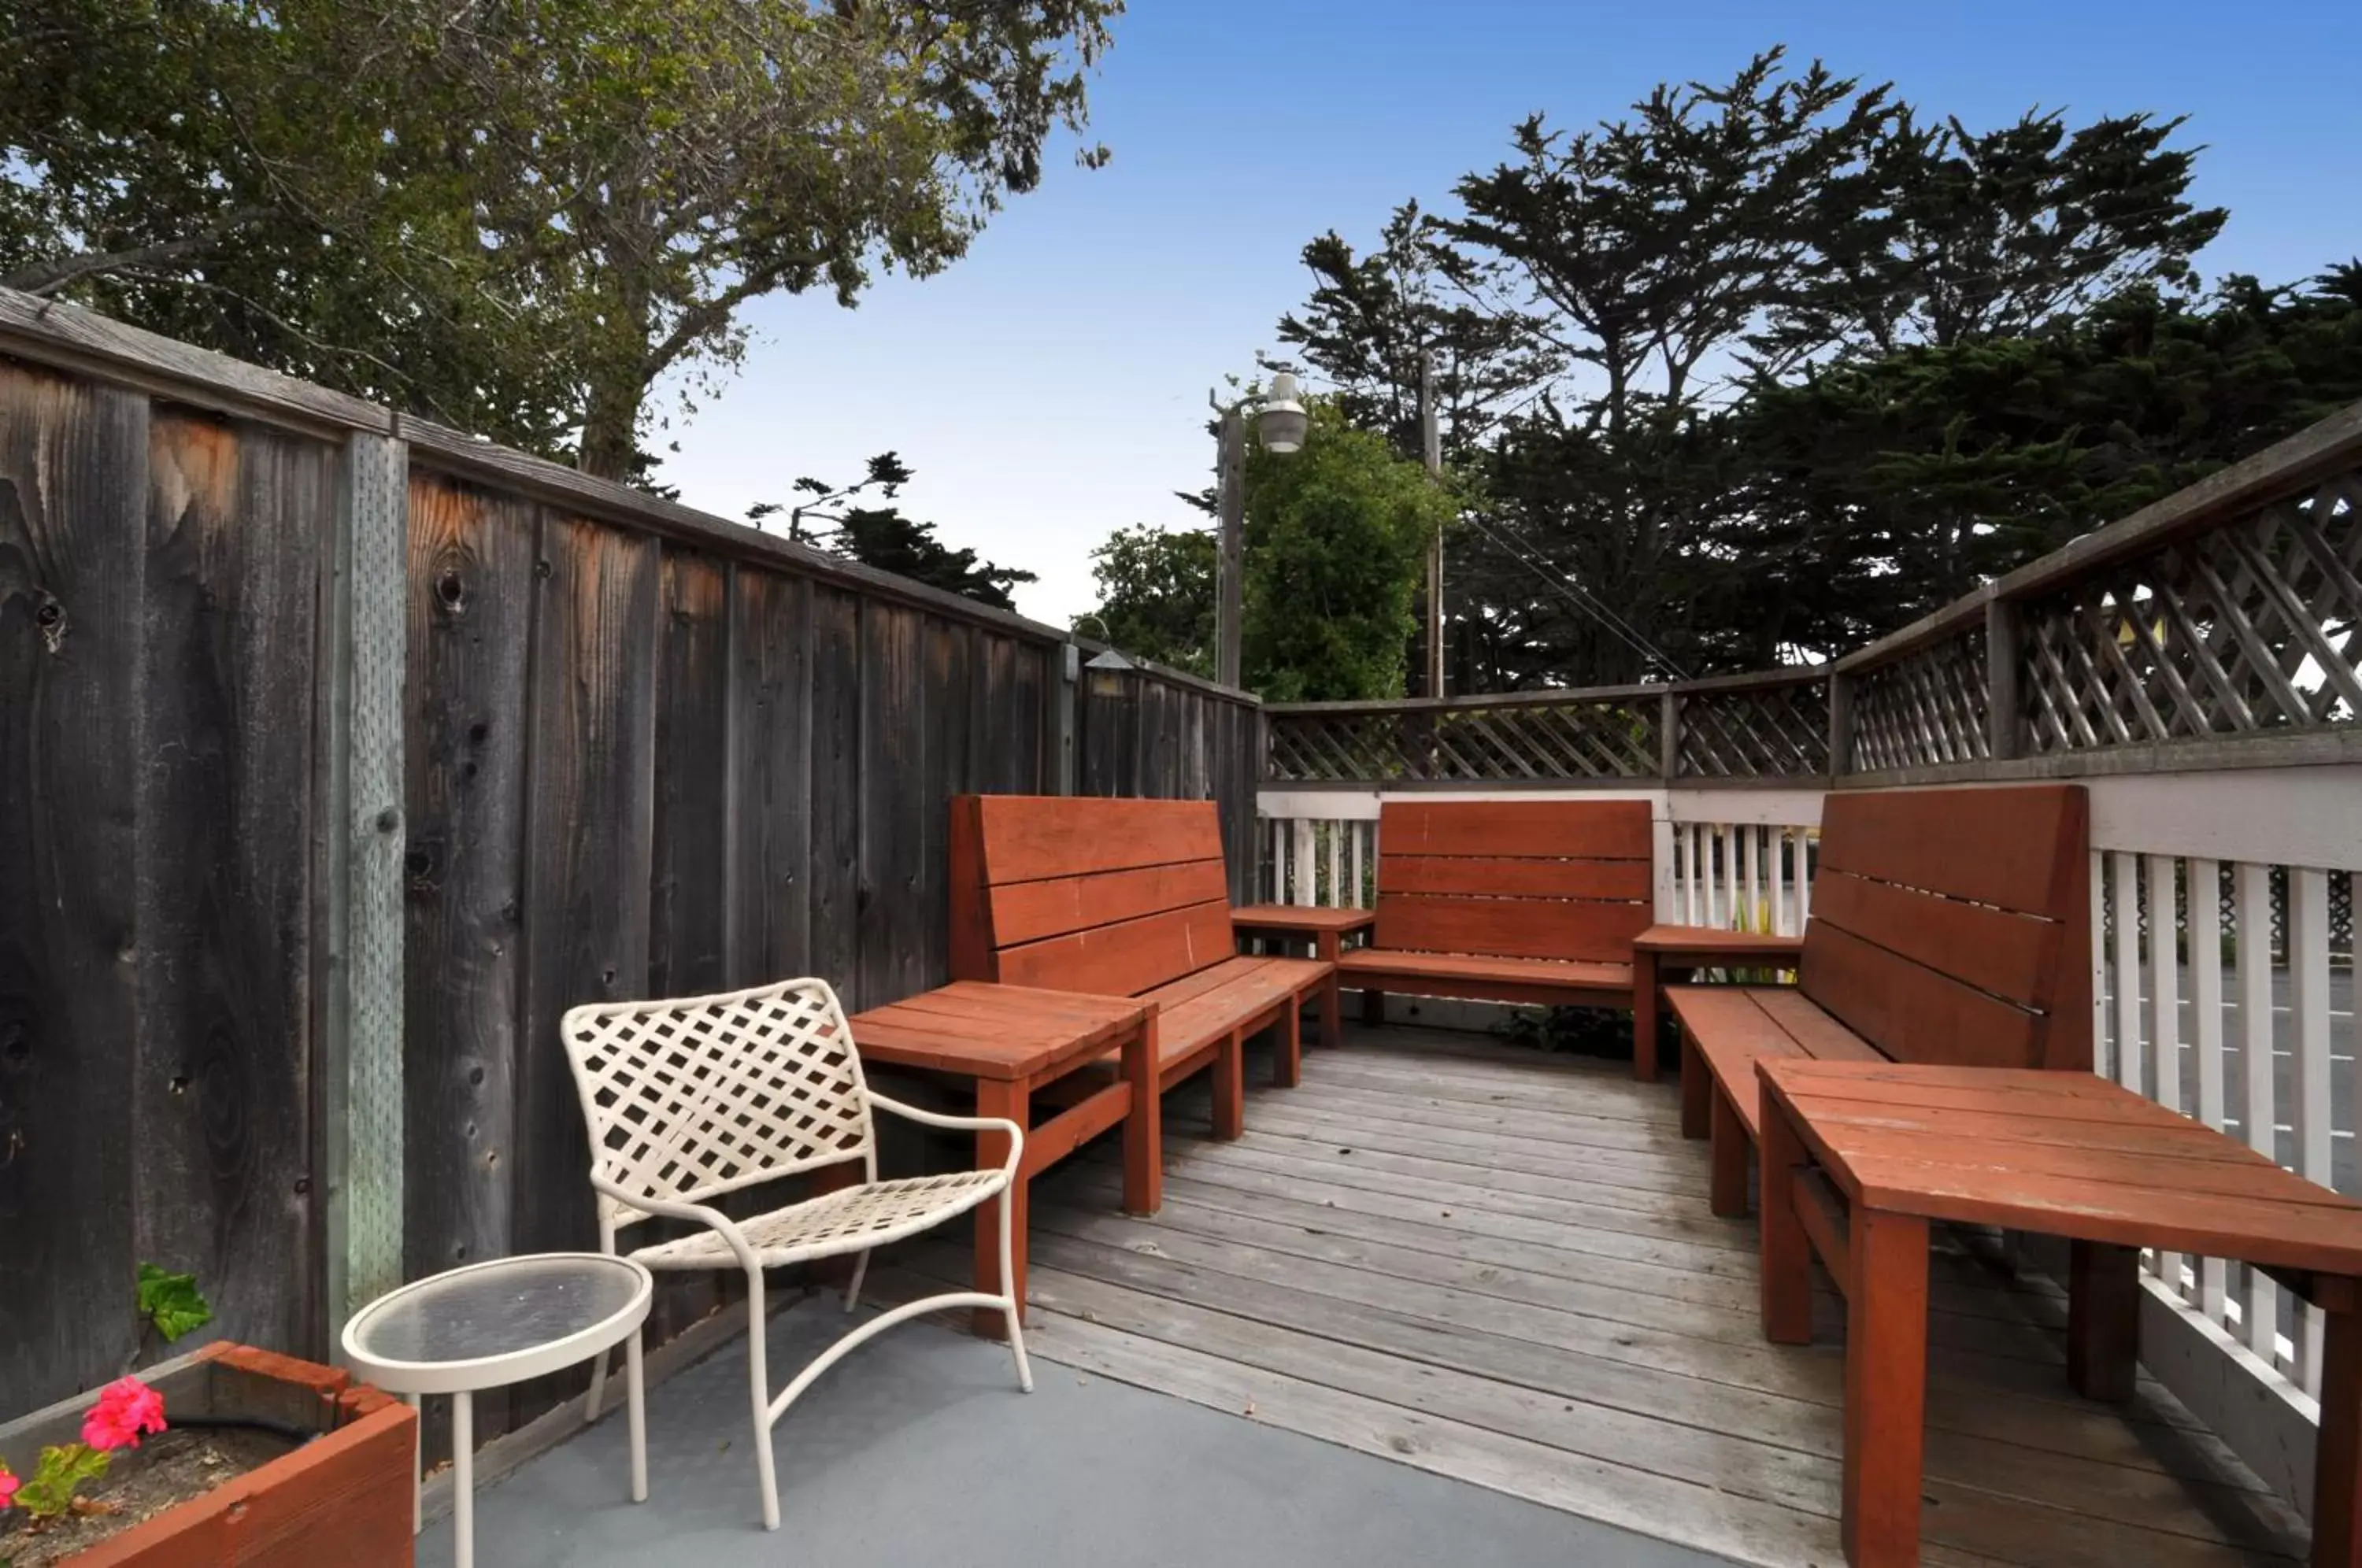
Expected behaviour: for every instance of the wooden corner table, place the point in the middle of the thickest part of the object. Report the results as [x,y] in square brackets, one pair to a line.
[1326,929]
[1859,1157]
[1662,951]
[1010,1041]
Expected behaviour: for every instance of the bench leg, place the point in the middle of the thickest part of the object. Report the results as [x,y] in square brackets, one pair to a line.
[1787,1255]
[1231,1088]
[1885,1388]
[1288,1068]
[1009,1101]
[2102,1319]
[2337,1467]
[1644,1017]
[1697,1091]
[1143,1124]
[1373,1006]
[1332,1000]
[1728,1193]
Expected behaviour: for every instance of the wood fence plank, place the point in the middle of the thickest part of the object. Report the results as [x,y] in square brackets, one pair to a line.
[771,763]
[73,504]
[471,588]
[224,1163]
[837,805]
[588,843]
[947,717]
[894,793]
[692,888]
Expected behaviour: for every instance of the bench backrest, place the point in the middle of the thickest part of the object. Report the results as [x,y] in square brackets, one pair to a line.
[1954,926]
[1514,878]
[1077,893]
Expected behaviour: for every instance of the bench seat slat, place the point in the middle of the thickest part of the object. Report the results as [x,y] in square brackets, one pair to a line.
[1246,995]
[1733,1027]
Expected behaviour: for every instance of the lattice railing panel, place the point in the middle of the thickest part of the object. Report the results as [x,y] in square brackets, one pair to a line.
[1578,738]
[1761,731]
[1927,707]
[2254,626]
[1335,745]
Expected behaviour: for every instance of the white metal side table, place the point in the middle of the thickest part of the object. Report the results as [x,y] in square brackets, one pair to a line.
[498,1322]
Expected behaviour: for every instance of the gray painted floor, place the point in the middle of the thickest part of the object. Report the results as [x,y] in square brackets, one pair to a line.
[920,1449]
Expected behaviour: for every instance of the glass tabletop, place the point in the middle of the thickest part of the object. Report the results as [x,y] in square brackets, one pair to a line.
[500,1308]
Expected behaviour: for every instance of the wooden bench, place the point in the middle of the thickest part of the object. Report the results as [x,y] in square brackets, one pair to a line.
[1127,898]
[1949,927]
[1533,901]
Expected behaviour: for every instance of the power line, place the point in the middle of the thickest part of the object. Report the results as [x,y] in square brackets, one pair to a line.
[1589,606]
[1543,562]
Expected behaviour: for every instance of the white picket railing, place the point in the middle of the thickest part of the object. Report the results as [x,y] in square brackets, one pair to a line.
[1744,876]
[2223,989]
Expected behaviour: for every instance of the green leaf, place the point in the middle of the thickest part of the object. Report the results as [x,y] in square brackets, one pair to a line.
[64,1470]
[171,1301]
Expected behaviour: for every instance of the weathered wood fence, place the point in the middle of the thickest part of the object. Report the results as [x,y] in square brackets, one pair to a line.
[339,753]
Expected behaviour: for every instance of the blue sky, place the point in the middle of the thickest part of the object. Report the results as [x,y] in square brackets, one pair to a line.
[1051,386]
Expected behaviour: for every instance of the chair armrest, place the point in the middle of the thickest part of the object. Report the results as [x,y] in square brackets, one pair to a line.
[974,1124]
[699,1214]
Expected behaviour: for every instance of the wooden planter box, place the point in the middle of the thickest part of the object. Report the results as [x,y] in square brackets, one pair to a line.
[344,1498]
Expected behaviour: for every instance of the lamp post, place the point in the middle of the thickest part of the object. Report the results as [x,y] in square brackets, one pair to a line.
[1282,422]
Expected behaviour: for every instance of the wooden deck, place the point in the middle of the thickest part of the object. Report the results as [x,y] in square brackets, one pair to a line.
[1500,1267]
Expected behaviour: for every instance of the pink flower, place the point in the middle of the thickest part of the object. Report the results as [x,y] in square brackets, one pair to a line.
[125,1408]
[8,1484]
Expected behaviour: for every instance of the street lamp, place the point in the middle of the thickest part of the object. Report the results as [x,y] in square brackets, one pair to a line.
[1282,422]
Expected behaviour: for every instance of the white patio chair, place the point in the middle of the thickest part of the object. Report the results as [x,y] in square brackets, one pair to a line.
[691,1099]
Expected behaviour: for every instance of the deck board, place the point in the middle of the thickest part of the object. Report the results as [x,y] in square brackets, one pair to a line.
[1531,1308]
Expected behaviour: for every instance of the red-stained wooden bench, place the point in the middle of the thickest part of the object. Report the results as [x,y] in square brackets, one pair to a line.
[1128,898]
[1949,927]
[1533,901]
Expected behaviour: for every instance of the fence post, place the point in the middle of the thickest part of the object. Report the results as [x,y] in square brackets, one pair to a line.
[1669,735]
[2001,697]
[361,1020]
[1840,722]
[1062,718]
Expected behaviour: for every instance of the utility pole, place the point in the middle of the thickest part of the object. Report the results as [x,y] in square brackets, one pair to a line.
[1431,442]
[1230,465]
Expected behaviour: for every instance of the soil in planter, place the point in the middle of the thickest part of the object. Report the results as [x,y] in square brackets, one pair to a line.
[168,1468]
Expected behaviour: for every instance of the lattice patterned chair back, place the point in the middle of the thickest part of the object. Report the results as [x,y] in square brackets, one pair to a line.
[699,1096]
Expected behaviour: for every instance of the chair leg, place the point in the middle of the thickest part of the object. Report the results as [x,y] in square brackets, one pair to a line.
[1009,1289]
[852,1286]
[759,1383]
[636,1394]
